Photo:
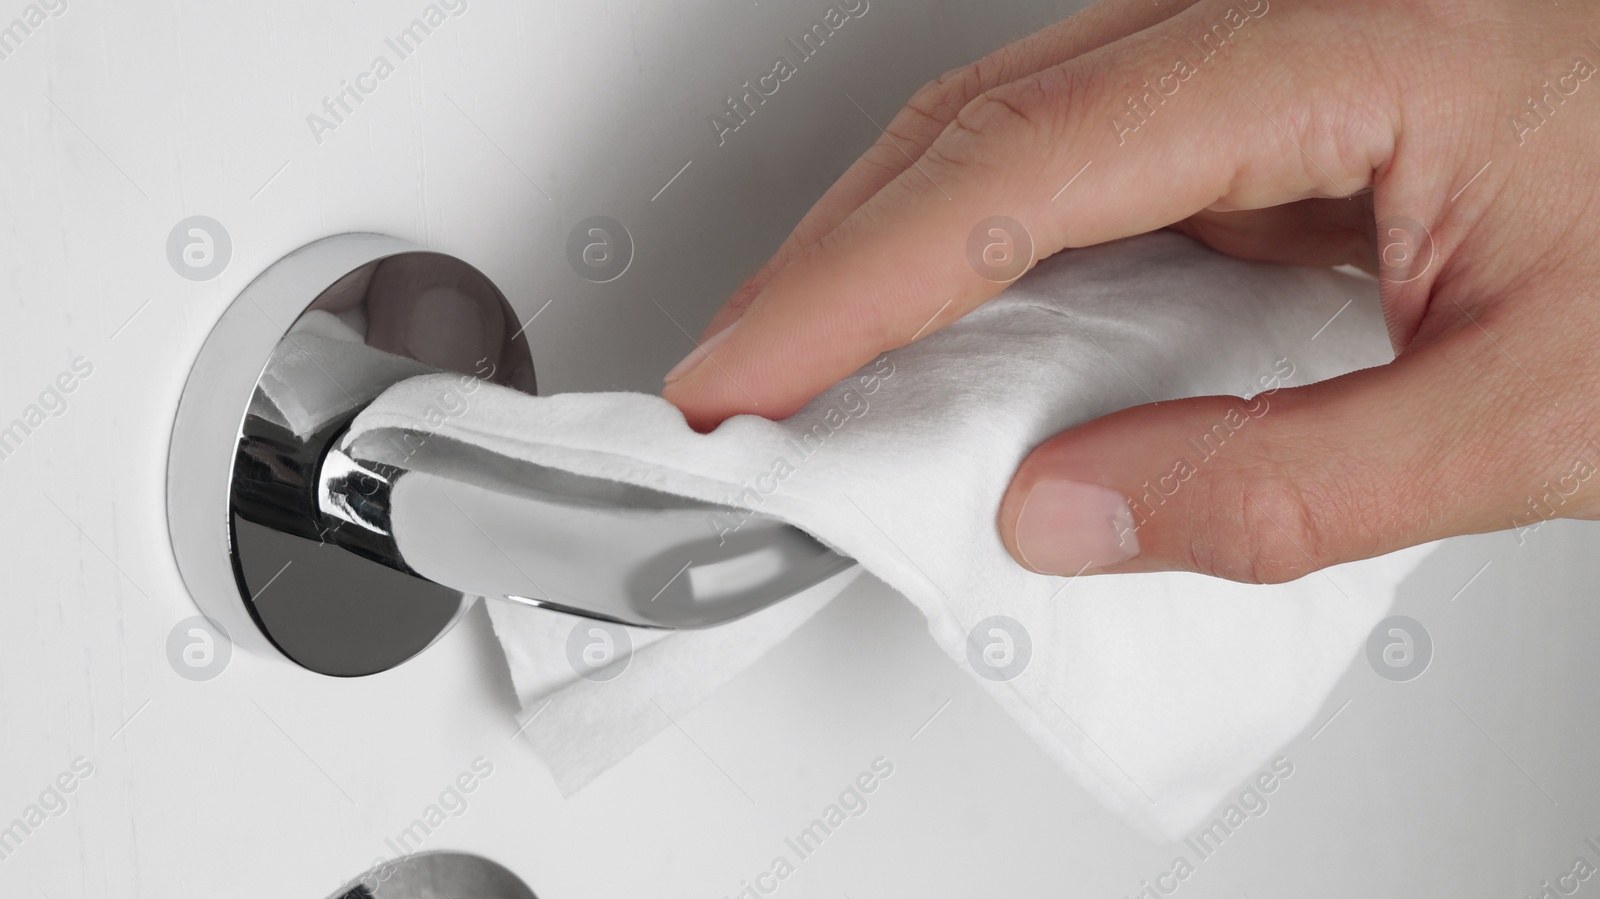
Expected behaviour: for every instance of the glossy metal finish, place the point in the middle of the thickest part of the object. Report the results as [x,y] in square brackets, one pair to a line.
[351,557]
[290,362]
[461,516]
[436,875]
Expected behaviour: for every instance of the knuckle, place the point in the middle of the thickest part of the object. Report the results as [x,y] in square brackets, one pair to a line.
[930,112]
[983,127]
[919,122]
[1002,112]
[940,99]
[1258,527]
[1028,110]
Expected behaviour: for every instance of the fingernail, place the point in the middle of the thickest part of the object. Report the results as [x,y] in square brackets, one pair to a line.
[1066,527]
[699,354]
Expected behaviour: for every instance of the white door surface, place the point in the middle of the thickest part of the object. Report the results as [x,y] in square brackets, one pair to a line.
[487,134]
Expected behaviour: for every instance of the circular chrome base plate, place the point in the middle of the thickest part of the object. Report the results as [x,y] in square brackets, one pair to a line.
[301,350]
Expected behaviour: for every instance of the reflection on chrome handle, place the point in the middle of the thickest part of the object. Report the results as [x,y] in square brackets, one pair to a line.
[349,562]
[466,518]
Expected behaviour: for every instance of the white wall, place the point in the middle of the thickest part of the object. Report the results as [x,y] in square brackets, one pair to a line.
[508,125]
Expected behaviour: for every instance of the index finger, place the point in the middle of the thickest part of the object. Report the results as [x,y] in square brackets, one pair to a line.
[1131,137]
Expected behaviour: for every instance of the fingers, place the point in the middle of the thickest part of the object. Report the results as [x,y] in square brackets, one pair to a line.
[1266,490]
[907,136]
[1115,142]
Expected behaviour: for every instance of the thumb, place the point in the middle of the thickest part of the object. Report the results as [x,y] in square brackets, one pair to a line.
[1269,489]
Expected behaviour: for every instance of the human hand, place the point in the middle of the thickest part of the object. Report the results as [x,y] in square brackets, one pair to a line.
[1452,147]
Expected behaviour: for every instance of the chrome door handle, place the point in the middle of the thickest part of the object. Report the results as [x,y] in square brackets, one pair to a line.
[349,557]
[581,545]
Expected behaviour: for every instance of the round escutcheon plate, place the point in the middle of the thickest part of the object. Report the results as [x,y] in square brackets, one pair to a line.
[292,360]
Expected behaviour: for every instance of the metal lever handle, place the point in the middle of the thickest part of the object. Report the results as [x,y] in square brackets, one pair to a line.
[350,558]
[459,516]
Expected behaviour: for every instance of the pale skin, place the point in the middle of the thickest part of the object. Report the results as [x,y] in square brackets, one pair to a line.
[1326,130]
